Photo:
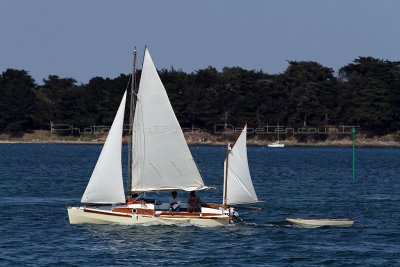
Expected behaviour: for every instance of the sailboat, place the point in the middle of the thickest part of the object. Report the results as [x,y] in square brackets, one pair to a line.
[159,160]
[238,185]
[276,143]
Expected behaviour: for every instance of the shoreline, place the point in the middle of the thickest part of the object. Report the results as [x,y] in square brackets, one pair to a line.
[204,139]
[218,143]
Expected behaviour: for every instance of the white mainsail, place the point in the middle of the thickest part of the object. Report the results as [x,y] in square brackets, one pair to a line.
[239,186]
[161,157]
[106,185]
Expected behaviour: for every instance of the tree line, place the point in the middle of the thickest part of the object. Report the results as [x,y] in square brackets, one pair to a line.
[365,93]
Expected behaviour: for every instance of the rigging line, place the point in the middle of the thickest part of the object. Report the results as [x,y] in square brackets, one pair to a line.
[138,118]
[129,129]
[138,142]
[129,82]
[131,118]
[140,182]
[144,146]
[226,163]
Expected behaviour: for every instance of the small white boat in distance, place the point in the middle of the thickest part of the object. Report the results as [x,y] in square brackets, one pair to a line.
[344,222]
[276,144]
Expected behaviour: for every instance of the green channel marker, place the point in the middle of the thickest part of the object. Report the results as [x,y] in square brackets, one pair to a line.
[353,131]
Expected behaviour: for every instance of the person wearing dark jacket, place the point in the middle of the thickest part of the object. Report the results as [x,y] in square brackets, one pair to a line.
[194,202]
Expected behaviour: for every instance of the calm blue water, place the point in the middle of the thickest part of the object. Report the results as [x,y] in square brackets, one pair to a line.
[38,181]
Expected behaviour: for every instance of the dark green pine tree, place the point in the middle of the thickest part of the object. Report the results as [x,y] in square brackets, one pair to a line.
[312,95]
[49,97]
[17,102]
[367,87]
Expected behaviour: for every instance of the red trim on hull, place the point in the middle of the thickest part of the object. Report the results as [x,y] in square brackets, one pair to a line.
[106,213]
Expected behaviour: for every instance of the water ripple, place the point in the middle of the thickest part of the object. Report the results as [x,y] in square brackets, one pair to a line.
[38,181]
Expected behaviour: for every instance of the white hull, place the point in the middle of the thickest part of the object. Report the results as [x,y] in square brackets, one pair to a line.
[276,145]
[321,222]
[81,215]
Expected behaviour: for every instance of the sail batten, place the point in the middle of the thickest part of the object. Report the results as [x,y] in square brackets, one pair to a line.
[239,186]
[105,185]
[161,156]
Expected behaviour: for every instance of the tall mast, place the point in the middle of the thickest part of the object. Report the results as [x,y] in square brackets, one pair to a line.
[226,174]
[131,110]
[278,132]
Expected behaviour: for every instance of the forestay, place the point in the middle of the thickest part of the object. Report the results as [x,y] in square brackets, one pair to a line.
[239,186]
[161,157]
[106,185]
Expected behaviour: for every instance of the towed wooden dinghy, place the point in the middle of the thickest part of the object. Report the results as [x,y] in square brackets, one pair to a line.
[344,222]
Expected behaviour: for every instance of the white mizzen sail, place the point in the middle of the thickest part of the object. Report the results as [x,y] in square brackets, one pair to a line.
[161,157]
[239,187]
[106,185]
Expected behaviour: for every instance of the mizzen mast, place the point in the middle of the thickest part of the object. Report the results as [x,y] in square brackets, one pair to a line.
[228,148]
[131,110]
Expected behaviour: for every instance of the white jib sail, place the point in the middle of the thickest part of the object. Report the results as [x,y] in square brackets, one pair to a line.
[106,184]
[161,157]
[239,187]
